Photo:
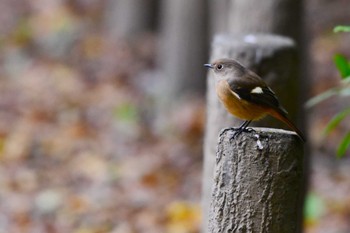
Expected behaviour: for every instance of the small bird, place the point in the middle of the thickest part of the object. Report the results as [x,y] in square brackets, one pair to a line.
[245,95]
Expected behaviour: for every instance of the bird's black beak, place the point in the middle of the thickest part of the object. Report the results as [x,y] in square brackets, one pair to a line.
[210,66]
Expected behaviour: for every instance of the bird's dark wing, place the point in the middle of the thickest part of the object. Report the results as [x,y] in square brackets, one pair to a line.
[253,89]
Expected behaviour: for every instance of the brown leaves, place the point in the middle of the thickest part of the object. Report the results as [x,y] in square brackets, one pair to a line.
[79,147]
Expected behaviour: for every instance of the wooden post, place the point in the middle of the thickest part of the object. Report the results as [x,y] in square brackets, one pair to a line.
[258,182]
[281,17]
[274,58]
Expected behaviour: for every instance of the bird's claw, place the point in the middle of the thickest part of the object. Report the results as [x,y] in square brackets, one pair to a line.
[240,130]
[225,130]
[249,130]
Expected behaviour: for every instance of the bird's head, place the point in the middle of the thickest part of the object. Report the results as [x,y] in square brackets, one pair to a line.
[226,68]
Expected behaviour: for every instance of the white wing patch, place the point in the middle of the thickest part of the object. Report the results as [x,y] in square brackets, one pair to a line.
[235,94]
[257,90]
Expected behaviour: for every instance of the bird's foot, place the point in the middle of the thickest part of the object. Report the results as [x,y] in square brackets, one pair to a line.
[225,130]
[240,130]
[237,131]
[242,127]
[249,130]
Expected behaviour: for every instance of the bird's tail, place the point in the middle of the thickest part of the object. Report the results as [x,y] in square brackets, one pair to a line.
[282,117]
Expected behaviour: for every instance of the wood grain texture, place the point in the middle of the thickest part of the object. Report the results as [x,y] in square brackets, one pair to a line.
[258,182]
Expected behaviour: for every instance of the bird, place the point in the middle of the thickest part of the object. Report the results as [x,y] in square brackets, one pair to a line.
[245,95]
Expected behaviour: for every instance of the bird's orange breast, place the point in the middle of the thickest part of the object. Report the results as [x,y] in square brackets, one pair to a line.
[237,106]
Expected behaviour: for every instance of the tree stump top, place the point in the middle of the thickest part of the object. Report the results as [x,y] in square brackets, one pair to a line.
[267,41]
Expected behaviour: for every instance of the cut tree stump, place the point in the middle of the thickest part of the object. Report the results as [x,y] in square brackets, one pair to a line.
[274,58]
[258,182]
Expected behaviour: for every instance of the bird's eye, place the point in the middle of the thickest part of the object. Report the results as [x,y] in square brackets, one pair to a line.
[219,67]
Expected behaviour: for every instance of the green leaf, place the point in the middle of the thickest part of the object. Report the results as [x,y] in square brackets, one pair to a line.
[314,207]
[343,146]
[342,65]
[126,112]
[321,97]
[342,90]
[341,28]
[334,122]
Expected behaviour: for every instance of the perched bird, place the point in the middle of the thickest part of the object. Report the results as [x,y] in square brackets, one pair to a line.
[245,95]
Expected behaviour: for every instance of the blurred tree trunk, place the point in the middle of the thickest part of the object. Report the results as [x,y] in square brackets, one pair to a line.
[184,39]
[130,18]
[218,10]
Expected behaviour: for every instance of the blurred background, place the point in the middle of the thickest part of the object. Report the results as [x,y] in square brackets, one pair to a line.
[102,115]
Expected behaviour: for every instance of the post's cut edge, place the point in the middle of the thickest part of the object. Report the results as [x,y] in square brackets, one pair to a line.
[254,131]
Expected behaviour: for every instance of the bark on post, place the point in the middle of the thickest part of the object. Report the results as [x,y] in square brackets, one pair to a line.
[258,182]
[274,58]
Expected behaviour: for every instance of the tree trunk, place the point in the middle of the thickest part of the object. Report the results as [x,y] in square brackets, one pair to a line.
[274,59]
[219,10]
[258,182]
[184,39]
[128,19]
